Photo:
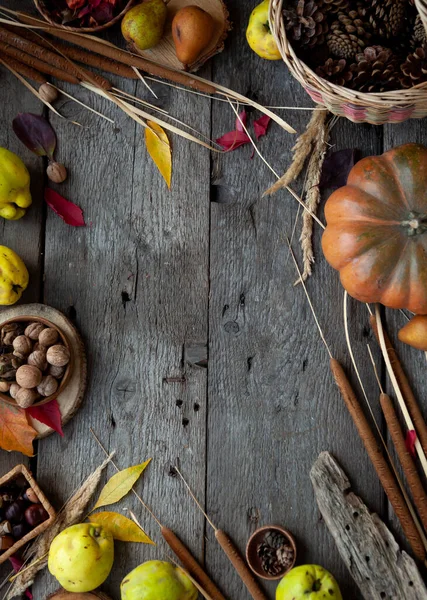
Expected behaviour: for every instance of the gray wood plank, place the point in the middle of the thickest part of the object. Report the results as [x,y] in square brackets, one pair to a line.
[272,403]
[135,281]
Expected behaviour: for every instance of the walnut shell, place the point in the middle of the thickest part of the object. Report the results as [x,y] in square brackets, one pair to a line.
[48,93]
[58,356]
[25,398]
[56,172]
[33,330]
[23,345]
[14,389]
[47,386]
[56,372]
[48,337]
[5,386]
[9,332]
[37,359]
[28,376]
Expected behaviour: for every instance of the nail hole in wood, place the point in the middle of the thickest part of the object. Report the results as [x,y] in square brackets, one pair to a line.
[185,421]
[178,403]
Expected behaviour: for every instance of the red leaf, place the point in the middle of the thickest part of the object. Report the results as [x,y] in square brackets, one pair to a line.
[260,126]
[243,117]
[233,139]
[74,4]
[68,211]
[411,438]
[17,564]
[49,414]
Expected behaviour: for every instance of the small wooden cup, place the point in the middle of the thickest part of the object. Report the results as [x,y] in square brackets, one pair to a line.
[29,319]
[252,557]
[45,12]
[13,474]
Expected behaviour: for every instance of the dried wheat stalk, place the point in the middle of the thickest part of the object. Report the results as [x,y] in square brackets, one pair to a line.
[314,171]
[72,512]
[301,151]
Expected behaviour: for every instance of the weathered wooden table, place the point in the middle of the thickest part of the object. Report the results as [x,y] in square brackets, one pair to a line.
[200,349]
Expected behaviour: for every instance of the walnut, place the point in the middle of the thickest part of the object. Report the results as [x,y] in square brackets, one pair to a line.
[47,386]
[58,356]
[48,93]
[14,389]
[28,376]
[25,398]
[9,332]
[5,386]
[33,330]
[56,372]
[37,359]
[23,345]
[56,172]
[38,346]
[48,337]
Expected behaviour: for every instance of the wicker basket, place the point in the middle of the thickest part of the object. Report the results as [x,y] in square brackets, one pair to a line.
[378,109]
[44,11]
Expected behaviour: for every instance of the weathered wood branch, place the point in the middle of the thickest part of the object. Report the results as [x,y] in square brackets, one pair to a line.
[377,564]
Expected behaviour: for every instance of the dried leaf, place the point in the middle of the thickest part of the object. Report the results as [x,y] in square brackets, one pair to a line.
[49,414]
[15,431]
[261,125]
[121,528]
[336,168]
[411,438]
[159,149]
[36,133]
[120,484]
[68,211]
[17,564]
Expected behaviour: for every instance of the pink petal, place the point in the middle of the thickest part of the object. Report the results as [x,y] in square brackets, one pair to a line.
[233,140]
[260,126]
[68,211]
[243,117]
[411,438]
[49,414]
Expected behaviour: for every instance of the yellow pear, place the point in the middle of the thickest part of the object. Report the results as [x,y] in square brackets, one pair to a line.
[143,24]
[192,31]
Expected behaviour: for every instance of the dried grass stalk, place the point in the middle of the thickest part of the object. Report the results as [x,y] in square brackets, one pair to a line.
[301,151]
[72,512]
[314,171]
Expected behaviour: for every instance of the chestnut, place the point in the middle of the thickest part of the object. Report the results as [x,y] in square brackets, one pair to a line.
[31,496]
[6,542]
[35,514]
[15,511]
[5,528]
[19,530]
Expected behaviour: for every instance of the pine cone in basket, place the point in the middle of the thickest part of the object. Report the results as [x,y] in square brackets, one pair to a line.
[306,24]
[375,70]
[348,35]
[387,17]
[414,69]
[419,36]
[336,71]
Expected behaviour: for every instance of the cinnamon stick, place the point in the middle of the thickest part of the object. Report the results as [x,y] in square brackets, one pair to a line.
[127,58]
[405,388]
[33,49]
[24,70]
[378,461]
[414,481]
[35,63]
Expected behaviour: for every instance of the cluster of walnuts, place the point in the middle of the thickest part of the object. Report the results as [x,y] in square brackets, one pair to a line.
[33,361]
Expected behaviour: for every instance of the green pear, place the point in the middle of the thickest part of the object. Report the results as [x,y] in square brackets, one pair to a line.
[157,580]
[143,24]
[81,557]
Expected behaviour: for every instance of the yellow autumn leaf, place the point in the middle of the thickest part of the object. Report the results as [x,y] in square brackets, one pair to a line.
[120,484]
[159,149]
[120,527]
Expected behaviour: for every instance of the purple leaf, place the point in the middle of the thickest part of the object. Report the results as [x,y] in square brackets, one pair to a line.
[336,168]
[68,211]
[36,133]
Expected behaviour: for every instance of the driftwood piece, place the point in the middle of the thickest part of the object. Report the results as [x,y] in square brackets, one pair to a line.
[369,550]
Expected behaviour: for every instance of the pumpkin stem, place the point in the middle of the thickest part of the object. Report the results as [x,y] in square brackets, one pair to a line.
[416,224]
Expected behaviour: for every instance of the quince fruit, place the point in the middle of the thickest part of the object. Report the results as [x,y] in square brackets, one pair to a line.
[15,194]
[157,580]
[13,276]
[259,35]
[81,557]
[308,582]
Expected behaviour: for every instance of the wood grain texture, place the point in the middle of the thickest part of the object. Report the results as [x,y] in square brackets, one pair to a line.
[377,564]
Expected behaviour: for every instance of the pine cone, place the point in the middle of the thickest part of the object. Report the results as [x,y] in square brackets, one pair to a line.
[335,71]
[419,36]
[334,6]
[414,69]
[375,70]
[348,35]
[285,556]
[387,17]
[306,23]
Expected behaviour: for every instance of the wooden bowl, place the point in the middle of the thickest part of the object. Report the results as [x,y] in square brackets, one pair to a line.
[252,557]
[46,13]
[29,319]
[13,474]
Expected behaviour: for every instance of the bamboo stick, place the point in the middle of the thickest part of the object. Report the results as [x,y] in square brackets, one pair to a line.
[405,388]
[417,489]
[25,70]
[378,461]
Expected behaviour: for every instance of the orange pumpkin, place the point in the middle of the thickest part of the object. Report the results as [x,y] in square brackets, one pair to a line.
[376,234]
